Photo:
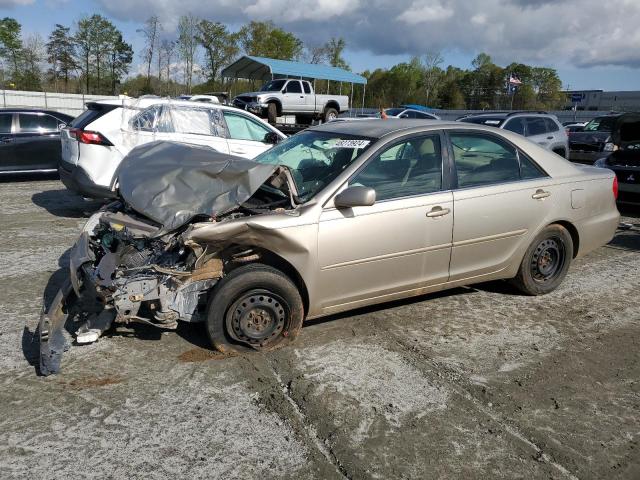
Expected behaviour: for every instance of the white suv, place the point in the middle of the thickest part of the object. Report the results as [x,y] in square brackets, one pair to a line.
[539,127]
[95,142]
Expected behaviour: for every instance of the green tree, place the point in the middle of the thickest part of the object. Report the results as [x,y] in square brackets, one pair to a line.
[121,56]
[220,46]
[264,39]
[334,48]
[11,44]
[98,42]
[61,55]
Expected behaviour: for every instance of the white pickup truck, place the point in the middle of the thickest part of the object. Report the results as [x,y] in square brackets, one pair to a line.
[292,97]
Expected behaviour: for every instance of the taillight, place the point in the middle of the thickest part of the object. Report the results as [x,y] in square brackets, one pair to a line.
[90,138]
[615,188]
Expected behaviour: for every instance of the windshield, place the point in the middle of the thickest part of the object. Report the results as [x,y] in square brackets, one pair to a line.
[315,159]
[489,121]
[600,124]
[273,86]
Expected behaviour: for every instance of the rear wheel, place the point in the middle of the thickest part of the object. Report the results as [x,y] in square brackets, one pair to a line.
[329,114]
[255,307]
[546,262]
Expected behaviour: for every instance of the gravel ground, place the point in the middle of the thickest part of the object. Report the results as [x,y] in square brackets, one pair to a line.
[473,383]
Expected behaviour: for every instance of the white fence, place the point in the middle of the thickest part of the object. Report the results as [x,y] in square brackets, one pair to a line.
[70,103]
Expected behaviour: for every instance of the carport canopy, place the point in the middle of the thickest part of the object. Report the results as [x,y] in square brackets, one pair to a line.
[262,68]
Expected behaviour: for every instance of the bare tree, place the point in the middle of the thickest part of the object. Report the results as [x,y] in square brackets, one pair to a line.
[167,52]
[432,72]
[188,45]
[151,32]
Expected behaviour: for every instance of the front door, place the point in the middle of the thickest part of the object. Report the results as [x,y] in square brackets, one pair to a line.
[245,135]
[294,98]
[501,199]
[37,141]
[402,243]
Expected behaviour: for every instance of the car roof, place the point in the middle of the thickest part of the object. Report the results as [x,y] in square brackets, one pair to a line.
[378,128]
[33,110]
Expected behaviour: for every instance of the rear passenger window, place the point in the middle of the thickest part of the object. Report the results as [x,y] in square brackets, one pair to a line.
[515,125]
[481,160]
[32,123]
[5,122]
[307,87]
[485,161]
[536,126]
[413,167]
[528,169]
[551,125]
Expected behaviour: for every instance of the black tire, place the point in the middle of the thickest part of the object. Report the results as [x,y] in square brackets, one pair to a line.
[272,113]
[546,262]
[255,307]
[329,114]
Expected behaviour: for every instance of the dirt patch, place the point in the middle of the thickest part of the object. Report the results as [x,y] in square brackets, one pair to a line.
[200,355]
[94,382]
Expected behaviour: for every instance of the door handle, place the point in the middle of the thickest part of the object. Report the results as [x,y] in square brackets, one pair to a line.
[549,138]
[6,139]
[238,150]
[301,96]
[540,194]
[438,212]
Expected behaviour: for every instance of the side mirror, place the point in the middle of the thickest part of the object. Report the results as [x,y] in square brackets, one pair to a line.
[271,138]
[356,196]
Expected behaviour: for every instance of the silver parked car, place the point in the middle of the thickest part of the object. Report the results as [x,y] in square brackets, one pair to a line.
[339,216]
[539,127]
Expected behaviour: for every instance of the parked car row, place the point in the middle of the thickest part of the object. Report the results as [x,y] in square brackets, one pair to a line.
[30,140]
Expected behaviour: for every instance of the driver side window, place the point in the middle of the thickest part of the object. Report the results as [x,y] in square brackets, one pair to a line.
[412,167]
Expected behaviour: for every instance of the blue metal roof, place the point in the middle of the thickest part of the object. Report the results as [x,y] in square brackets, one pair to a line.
[414,106]
[262,68]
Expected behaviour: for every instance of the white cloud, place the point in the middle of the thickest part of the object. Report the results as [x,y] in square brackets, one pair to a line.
[425,11]
[14,3]
[569,32]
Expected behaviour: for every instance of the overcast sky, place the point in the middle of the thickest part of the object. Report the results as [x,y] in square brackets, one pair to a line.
[592,43]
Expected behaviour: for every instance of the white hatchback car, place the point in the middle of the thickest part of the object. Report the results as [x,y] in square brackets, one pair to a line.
[95,142]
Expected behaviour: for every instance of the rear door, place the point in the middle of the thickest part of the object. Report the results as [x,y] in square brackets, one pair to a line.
[7,147]
[537,131]
[197,125]
[245,135]
[37,141]
[501,199]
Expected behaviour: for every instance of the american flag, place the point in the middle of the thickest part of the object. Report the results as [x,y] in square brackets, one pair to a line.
[514,80]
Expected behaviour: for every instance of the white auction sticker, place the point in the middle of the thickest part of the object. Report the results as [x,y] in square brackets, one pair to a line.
[352,143]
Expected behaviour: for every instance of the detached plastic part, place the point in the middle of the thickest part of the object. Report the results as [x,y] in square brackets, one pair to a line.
[51,328]
[93,329]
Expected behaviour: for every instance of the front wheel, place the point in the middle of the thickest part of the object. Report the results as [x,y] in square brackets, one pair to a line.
[255,307]
[546,262]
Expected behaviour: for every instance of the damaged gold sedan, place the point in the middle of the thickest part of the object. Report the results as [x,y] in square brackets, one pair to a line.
[336,217]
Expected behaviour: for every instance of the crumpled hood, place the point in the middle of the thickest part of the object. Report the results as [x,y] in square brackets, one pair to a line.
[170,182]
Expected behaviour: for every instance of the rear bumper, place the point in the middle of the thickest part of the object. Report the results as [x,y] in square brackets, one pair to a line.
[78,181]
